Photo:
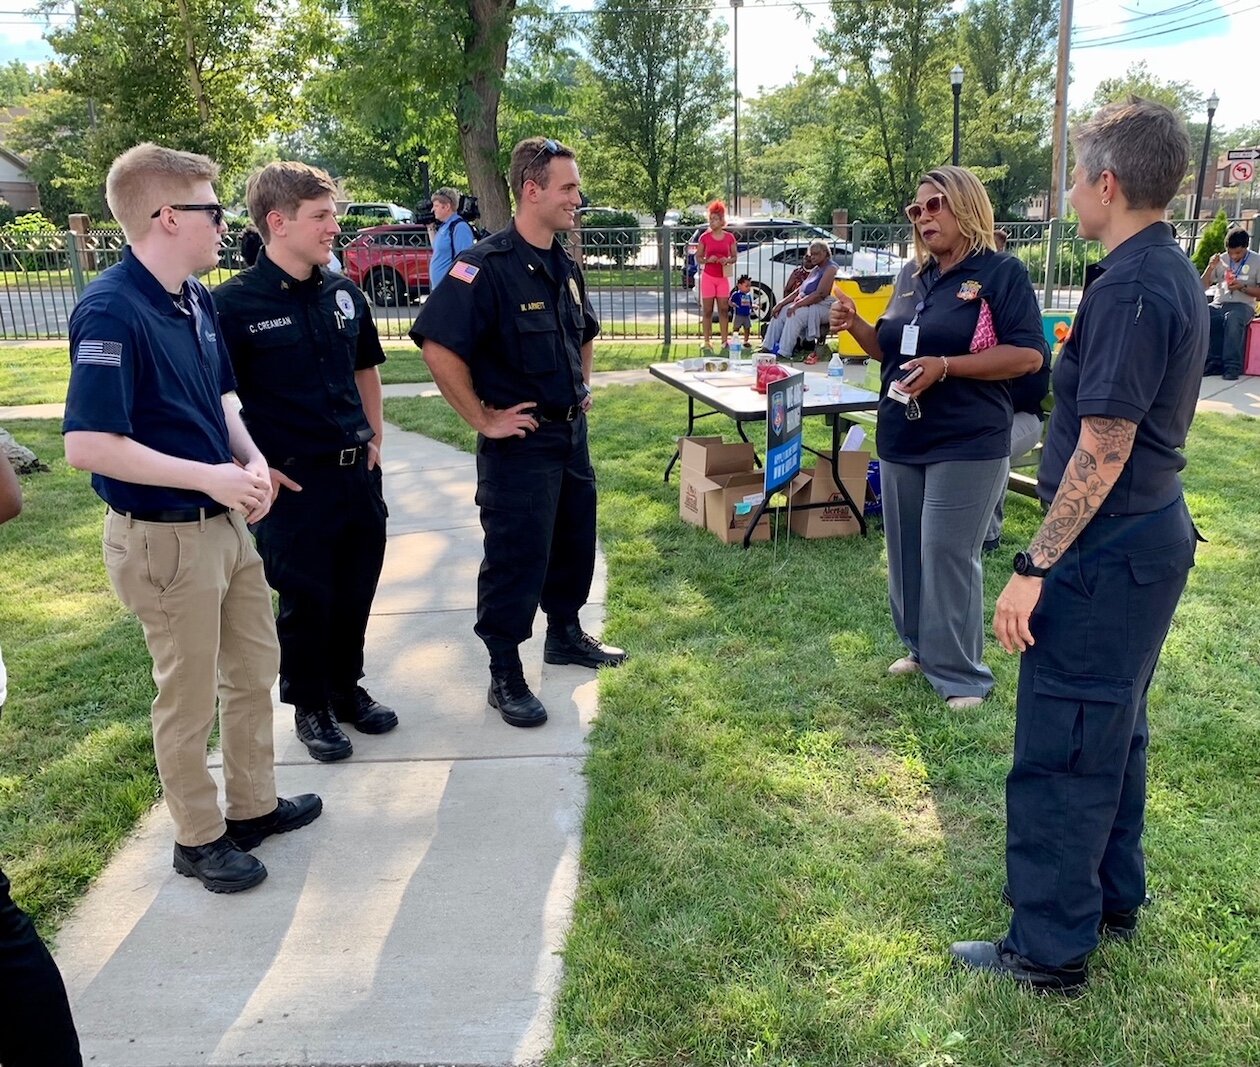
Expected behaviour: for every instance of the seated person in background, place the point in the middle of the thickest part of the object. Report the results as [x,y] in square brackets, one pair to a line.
[804,313]
[1027,393]
[1237,280]
[742,306]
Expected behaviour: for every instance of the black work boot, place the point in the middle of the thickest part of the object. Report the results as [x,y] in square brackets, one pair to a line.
[366,715]
[569,643]
[288,815]
[220,866]
[319,732]
[513,698]
[998,959]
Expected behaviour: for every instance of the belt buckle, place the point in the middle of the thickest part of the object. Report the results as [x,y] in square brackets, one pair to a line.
[347,457]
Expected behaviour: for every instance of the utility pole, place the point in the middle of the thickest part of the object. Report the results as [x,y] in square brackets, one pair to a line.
[1058,162]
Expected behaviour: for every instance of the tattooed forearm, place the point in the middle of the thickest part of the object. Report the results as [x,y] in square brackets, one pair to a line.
[1102,450]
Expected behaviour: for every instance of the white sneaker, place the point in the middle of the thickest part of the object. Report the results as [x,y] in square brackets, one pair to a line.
[963,703]
[905,665]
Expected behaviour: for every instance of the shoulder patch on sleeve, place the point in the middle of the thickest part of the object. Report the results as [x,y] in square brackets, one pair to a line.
[99,353]
[464,272]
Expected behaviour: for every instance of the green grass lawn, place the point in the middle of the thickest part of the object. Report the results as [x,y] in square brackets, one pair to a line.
[781,840]
[37,374]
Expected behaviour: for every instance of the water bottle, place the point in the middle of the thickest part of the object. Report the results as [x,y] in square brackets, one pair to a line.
[835,376]
[737,349]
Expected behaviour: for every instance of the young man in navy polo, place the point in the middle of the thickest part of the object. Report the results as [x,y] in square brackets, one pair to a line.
[146,414]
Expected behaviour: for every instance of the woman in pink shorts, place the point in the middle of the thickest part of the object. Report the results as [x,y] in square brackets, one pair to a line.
[715,252]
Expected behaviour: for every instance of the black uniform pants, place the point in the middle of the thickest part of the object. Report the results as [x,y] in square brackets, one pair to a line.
[1076,793]
[537,499]
[322,550]
[36,1029]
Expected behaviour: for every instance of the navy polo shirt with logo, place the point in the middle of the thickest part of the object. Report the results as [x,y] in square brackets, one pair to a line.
[145,368]
[961,418]
[1136,352]
[518,316]
[295,345]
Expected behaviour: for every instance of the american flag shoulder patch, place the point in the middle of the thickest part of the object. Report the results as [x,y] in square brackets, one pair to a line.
[465,272]
[99,353]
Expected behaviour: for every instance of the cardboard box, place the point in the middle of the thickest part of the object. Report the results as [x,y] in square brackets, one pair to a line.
[816,485]
[703,462]
[723,514]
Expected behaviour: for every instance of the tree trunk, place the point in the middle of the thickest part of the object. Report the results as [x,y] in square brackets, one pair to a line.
[486,52]
[190,58]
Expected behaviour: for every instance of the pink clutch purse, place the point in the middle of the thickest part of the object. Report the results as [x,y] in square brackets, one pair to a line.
[985,335]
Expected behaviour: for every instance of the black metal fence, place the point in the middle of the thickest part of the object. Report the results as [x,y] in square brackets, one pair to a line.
[641,281]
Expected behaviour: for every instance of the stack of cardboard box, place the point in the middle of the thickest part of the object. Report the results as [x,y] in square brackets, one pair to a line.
[719,489]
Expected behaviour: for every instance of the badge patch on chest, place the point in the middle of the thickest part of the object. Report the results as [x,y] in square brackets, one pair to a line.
[573,291]
[345,303]
[465,272]
[969,290]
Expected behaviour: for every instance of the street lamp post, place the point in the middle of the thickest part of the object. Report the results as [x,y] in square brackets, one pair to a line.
[736,5]
[1212,101]
[956,83]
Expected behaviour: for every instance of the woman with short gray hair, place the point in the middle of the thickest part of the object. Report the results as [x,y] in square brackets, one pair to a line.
[1092,599]
[804,312]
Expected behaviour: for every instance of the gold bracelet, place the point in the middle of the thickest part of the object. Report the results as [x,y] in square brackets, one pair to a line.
[944,368]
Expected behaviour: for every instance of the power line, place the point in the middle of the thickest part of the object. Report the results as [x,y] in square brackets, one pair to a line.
[1192,23]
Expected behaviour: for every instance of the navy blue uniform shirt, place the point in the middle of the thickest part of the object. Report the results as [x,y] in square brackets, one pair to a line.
[1137,351]
[142,367]
[295,346]
[962,418]
[518,316]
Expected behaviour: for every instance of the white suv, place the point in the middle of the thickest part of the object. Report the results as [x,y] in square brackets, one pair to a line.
[384,212]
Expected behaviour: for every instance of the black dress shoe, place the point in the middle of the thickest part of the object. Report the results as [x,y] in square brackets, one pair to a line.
[366,715]
[319,732]
[996,958]
[220,866]
[572,644]
[514,700]
[1121,925]
[289,815]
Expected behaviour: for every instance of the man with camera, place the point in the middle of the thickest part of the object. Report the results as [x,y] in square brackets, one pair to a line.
[449,237]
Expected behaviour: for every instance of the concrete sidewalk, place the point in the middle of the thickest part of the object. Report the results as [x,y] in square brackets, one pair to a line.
[419,920]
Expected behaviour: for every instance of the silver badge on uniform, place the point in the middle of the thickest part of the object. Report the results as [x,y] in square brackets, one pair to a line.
[573,289]
[345,303]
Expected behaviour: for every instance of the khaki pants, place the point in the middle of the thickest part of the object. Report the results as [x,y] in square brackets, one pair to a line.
[199,593]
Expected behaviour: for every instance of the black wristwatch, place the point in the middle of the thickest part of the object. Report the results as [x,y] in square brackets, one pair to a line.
[1024,565]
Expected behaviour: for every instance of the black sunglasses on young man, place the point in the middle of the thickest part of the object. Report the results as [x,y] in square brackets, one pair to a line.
[552,148]
[216,210]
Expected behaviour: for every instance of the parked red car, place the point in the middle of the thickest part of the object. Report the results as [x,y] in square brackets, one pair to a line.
[389,263]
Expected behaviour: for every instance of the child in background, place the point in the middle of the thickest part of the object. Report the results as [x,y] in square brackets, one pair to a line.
[742,306]
[715,251]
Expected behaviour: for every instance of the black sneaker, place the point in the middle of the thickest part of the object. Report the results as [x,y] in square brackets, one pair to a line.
[997,959]
[572,644]
[366,715]
[515,701]
[289,815]
[319,732]
[1120,925]
[220,866]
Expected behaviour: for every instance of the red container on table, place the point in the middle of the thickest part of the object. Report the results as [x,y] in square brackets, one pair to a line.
[1251,348]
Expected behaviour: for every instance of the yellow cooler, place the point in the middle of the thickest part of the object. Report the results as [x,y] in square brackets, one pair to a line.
[871,295]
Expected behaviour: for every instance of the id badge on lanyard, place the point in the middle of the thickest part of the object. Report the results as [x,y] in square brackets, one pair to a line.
[910,333]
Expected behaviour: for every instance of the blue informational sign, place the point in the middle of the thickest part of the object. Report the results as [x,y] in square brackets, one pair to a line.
[785,400]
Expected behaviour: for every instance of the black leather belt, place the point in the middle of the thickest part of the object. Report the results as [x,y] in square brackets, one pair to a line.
[347,457]
[173,514]
[568,414]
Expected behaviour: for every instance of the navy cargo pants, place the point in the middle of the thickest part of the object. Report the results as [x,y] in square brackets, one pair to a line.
[36,1029]
[1076,793]
[537,499]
